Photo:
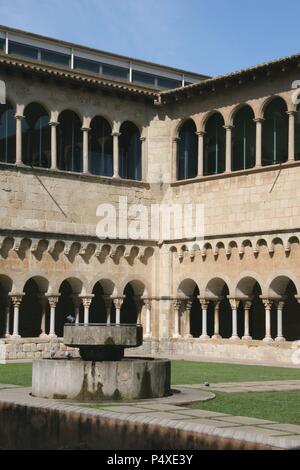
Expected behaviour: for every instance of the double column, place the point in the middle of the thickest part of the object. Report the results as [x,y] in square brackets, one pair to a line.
[53,300]
[118,302]
[85,147]
[86,301]
[16,300]
[115,136]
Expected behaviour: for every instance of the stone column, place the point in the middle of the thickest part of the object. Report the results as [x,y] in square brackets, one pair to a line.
[53,145]
[228,147]
[258,122]
[16,301]
[116,136]
[19,118]
[279,338]
[76,302]
[217,319]
[247,305]
[291,155]
[204,305]
[143,158]
[86,300]
[234,304]
[85,145]
[118,302]
[186,320]
[175,157]
[7,316]
[268,305]
[108,301]
[176,309]
[43,302]
[52,299]
[201,135]
[147,303]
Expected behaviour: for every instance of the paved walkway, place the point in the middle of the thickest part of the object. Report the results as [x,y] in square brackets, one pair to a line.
[236,387]
[170,413]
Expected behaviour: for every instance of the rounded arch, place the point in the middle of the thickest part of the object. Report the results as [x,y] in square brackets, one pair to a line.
[215,286]
[41,282]
[100,147]
[208,115]
[6,283]
[214,145]
[36,136]
[186,288]
[187,150]
[6,286]
[234,111]
[130,151]
[69,142]
[108,285]
[275,131]
[243,139]
[246,285]
[278,285]
[265,103]
[7,133]
[140,283]
[75,283]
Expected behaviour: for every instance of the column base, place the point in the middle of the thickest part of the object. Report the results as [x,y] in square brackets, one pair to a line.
[44,335]
[52,336]
[247,338]
[15,337]
[280,339]
[147,336]
[176,336]
[268,339]
[217,336]
[7,335]
[204,338]
[234,337]
[188,336]
[116,177]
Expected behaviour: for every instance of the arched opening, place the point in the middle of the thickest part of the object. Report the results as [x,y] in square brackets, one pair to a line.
[6,309]
[217,290]
[190,321]
[275,133]
[297,134]
[130,152]
[36,136]
[283,288]
[7,133]
[214,145]
[102,309]
[67,303]
[187,151]
[132,305]
[69,142]
[248,289]
[100,147]
[243,139]
[33,307]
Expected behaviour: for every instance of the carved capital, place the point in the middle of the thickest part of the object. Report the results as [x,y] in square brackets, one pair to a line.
[234,303]
[53,300]
[204,303]
[16,299]
[118,301]
[87,300]
[267,303]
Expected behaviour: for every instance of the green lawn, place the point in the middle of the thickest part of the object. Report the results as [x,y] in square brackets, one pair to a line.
[282,407]
[186,372]
[16,374]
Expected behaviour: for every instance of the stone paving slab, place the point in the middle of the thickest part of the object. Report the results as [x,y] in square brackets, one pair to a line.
[254,430]
[7,386]
[241,387]
[202,413]
[126,409]
[213,423]
[293,428]
[245,420]
[161,407]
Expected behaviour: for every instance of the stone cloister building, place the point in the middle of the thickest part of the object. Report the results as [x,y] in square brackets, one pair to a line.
[80,128]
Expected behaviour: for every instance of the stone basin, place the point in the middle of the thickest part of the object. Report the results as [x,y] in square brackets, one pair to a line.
[101,342]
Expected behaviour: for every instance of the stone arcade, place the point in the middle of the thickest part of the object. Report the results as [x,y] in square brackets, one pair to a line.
[82,127]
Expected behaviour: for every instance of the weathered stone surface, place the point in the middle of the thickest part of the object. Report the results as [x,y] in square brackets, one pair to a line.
[83,380]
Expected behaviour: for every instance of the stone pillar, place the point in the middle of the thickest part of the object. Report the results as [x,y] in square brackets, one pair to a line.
[147,303]
[228,147]
[186,319]
[52,299]
[176,309]
[16,300]
[217,319]
[204,305]
[19,118]
[7,316]
[116,136]
[53,145]
[85,145]
[108,301]
[175,157]
[268,305]
[43,302]
[118,302]
[201,135]
[234,304]
[143,158]
[291,152]
[247,305]
[258,122]
[86,300]
[76,302]
[279,338]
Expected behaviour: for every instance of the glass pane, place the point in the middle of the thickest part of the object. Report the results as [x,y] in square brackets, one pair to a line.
[187,151]
[85,64]
[7,134]
[2,44]
[55,57]
[23,50]
[243,140]
[142,77]
[36,137]
[164,82]
[69,142]
[114,71]
[130,152]
[214,145]
[275,133]
[100,148]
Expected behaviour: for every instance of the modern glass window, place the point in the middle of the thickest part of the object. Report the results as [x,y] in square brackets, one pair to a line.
[275,133]
[7,134]
[54,57]
[36,136]
[214,145]
[115,71]
[69,142]
[187,151]
[100,147]
[169,83]
[297,134]
[130,152]
[23,50]
[86,65]
[2,44]
[243,139]
[143,77]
